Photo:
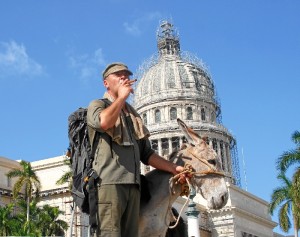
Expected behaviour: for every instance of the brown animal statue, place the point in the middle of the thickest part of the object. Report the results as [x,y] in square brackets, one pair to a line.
[208,179]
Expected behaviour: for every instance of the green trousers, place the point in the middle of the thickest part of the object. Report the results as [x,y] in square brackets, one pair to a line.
[118,210]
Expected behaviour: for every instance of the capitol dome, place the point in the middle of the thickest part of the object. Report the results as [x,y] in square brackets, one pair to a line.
[174,85]
[174,74]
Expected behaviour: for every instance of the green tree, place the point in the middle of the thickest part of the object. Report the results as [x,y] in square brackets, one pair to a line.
[28,180]
[291,157]
[44,220]
[7,223]
[49,221]
[286,199]
[285,161]
[28,227]
[67,176]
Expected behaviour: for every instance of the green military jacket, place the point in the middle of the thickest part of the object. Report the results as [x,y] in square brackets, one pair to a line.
[116,164]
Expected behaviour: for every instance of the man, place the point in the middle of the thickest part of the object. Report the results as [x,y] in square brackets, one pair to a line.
[122,145]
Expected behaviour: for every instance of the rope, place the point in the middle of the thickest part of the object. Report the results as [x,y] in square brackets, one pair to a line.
[177,221]
[211,170]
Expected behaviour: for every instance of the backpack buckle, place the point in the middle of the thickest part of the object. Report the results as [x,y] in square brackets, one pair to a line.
[91,174]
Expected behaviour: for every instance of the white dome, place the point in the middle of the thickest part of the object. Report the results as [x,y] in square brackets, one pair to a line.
[175,85]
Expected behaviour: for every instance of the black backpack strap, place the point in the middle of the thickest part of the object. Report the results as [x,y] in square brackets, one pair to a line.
[94,136]
[93,180]
[93,201]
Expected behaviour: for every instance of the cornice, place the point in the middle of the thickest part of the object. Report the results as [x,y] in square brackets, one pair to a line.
[6,192]
[52,192]
[235,210]
[164,127]
[48,163]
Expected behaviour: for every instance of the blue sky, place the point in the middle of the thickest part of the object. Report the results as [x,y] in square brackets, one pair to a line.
[52,54]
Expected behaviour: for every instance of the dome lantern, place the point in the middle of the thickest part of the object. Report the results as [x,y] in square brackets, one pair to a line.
[167,40]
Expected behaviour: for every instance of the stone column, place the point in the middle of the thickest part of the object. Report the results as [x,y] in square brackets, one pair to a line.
[180,141]
[170,145]
[228,159]
[219,149]
[159,146]
[210,142]
[225,157]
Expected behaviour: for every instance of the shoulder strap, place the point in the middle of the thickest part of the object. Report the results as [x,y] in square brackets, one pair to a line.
[93,134]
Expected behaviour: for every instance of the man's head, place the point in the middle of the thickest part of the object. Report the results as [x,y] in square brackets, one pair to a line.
[116,80]
[113,68]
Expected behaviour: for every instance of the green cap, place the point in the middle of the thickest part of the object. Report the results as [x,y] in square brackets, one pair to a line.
[115,67]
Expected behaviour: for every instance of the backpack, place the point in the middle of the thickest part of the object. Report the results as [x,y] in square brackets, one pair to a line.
[82,150]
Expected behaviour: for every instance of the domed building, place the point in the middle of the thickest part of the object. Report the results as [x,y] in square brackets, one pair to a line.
[177,85]
[174,84]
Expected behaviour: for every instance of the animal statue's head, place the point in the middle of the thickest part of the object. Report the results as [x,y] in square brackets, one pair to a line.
[208,177]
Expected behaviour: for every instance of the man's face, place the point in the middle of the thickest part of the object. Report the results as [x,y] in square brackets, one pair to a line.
[112,81]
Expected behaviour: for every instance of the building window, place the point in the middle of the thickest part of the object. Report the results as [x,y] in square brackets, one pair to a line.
[189,113]
[145,118]
[173,113]
[165,146]
[157,116]
[154,145]
[175,143]
[214,144]
[222,147]
[202,114]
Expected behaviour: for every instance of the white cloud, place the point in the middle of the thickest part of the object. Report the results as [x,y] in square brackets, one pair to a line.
[135,28]
[14,61]
[87,66]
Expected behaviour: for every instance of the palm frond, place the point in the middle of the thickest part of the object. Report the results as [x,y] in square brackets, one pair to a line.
[296,137]
[287,159]
[284,220]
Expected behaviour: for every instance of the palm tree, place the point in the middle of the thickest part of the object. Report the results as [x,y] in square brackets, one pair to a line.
[26,178]
[27,227]
[49,223]
[292,157]
[288,159]
[286,197]
[67,176]
[6,220]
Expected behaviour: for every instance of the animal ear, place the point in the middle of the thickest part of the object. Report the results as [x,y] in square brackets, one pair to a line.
[190,134]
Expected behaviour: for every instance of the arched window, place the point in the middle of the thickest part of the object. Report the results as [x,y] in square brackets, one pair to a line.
[202,114]
[145,118]
[173,113]
[189,113]
[157,116]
